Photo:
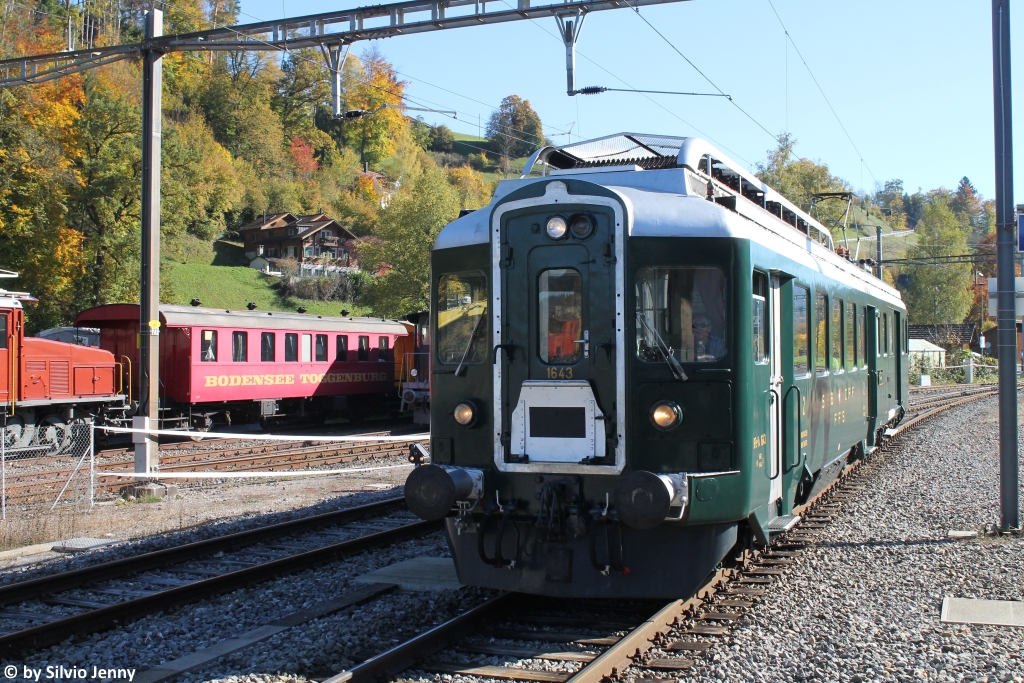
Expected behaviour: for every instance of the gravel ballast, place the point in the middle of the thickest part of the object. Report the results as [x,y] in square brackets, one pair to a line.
[863,603]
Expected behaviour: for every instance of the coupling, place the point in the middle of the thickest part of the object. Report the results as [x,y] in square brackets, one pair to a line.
[431,491]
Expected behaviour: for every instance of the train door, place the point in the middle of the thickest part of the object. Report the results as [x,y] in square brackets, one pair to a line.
[775,388]
[897,354]
[874,373]
[7,347]
[558,348]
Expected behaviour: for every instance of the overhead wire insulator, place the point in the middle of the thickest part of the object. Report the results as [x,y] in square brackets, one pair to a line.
[592,90]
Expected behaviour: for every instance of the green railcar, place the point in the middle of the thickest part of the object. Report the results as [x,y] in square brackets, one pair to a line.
[643,361]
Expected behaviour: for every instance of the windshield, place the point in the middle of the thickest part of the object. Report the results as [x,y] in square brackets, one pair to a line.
[682,309]
[462,318]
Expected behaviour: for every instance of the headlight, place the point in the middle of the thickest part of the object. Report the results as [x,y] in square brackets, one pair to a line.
[666,415]
[581,226]
[556,227]
[464,414]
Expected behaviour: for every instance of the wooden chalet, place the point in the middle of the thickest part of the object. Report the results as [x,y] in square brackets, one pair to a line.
[316,237]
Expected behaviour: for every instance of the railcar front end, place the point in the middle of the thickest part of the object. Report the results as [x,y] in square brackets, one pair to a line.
[617,404]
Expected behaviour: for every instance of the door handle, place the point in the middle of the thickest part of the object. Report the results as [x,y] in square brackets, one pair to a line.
[586,343]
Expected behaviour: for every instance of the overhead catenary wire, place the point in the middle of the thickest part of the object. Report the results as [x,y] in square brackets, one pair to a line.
[703,75]
[820,90]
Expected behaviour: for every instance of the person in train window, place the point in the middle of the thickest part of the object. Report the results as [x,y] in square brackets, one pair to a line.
[708,345]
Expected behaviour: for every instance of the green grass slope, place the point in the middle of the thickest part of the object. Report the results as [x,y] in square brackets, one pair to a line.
[215,274]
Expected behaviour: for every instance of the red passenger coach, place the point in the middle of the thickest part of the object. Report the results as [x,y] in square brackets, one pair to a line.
[223,366]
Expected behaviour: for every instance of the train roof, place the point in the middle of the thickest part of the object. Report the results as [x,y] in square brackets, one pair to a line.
[660,179]
[13,299]
[192,316]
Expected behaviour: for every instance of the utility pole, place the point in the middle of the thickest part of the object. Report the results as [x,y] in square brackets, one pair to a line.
[1005,271]
[146,451]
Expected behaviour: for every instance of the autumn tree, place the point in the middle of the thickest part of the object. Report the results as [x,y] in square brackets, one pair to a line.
[515,128]
[939,293]
[405,233]
[373,86]
[796,178]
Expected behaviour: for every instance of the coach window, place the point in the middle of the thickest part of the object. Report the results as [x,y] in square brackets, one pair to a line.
[801,298]
[462,320]
[885,334]
[382,349]
[267,347]
[862,336]
[341,348]
[208,347]
[364,348]
[759,309]
[321,348]
[682,309]
[837,335]
[307,348]
[821,334]
[560,315]
[291,348]
[851,344]
[239,347]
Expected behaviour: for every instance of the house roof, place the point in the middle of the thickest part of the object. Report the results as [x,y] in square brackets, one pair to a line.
[944,333]
[924,345]
[306,226]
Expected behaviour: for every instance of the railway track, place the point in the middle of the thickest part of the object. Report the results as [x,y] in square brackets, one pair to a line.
[47,610]
[585,642]
[37,485]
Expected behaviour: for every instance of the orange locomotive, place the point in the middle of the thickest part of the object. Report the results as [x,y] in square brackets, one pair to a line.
[47,386]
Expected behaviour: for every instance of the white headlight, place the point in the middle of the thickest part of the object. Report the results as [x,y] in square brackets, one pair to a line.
[464,414]
[556,227]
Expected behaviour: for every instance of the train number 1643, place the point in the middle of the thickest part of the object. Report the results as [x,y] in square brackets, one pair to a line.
[560,373]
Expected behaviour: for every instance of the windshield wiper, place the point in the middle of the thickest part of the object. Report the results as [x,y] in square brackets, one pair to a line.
[664,349]
[469,345]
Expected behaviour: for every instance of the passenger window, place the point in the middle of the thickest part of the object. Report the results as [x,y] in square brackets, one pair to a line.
[560,316]
[801,299]
[3,331]
[208,347]
[341,348]
[862,336]
[291,348]
[681,310]
[383,353]
[364,348]
[321,348]
[462,321]
[307,347]
[848,328]
[837,335]
[239,347]
[821,334]
[760,318]
[267,347]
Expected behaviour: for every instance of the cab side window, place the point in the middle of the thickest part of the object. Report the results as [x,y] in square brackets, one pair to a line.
[3,331]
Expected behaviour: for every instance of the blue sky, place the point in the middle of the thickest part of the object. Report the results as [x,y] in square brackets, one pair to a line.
[911,81]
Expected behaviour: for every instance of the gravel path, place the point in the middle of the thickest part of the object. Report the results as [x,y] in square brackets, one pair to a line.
[863,604]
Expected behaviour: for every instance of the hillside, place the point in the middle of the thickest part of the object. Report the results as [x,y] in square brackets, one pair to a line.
[212,274]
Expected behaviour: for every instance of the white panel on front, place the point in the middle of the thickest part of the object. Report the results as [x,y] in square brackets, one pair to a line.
[557,421]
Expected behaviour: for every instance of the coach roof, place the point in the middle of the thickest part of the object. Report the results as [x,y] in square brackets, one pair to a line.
[193,316]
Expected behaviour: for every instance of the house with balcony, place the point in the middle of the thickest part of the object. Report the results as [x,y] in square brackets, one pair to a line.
[316,237]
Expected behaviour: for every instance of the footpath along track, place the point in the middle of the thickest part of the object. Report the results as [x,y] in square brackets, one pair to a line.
[28,485]
[579,641]
[47,610]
